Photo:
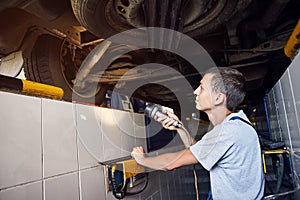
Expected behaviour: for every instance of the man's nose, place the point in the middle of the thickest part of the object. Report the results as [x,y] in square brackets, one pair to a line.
[196,92]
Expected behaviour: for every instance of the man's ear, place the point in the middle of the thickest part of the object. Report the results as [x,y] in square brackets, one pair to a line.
[220,98]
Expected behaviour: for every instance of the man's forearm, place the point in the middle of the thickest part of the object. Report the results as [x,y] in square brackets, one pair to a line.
[160,162]
[186,137]
[168,161]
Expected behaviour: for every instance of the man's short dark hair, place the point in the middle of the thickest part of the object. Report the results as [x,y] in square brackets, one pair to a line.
[230,82]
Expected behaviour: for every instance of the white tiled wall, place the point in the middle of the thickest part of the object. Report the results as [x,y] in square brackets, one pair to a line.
[275,127]
[285,94]
[283,123]
[62,187]
[89,135]
[51,150]
[20,137]
[48,147]
[25,192]
[92,183]
[59,138]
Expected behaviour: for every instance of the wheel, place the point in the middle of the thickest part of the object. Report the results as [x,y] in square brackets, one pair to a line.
[105,18]
[51,62]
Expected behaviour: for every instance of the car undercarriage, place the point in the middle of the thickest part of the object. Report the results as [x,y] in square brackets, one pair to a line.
[57,40]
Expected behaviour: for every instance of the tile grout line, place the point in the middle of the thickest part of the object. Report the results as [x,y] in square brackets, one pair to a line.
[44,179]
[294,101]
[77,151]
[42,154]
[285,116]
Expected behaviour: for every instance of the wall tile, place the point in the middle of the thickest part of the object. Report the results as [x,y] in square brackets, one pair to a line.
[140,130]
[117,128]
[153,185]
[273,113]
[287,97]
[165,186]
[93,184]
[281,114]
[294,72]
[20,139]
[62,187]
[172,185]
[156,195]
[59,137]
[113,125]
[290,110]
[32,191]
[128,142]
[89,135]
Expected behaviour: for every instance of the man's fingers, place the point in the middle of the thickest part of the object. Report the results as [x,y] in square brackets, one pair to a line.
[160,119]
[172,115]
[138,149]
[167,122]
[170,123]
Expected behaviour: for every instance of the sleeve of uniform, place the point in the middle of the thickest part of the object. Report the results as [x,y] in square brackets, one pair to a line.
[212,146]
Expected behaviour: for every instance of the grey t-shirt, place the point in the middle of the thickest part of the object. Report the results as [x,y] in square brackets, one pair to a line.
[231,153]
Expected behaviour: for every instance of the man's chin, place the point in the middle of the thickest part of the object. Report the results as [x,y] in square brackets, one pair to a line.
[198,107]
[203,109]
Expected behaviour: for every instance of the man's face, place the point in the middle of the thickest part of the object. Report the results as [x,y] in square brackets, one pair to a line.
[204,94]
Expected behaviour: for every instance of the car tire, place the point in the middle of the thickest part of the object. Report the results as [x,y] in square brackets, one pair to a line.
[44,65]
[100,17]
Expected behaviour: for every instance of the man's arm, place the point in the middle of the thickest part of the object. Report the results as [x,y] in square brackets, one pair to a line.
[168,161]
[186,137]
[167,123]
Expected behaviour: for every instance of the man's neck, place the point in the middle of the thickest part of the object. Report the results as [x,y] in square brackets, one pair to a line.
[218,115]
